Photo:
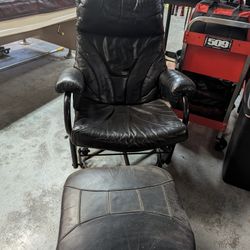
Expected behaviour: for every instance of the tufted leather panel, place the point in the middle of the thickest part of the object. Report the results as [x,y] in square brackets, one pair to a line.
[120,52]
[127,127]
[119,70]
[130,207]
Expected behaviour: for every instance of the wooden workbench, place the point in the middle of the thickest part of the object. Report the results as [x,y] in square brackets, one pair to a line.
[56,27]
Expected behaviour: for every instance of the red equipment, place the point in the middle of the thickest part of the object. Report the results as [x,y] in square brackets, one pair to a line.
[216,55]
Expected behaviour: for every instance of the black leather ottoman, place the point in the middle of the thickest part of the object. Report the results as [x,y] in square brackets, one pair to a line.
[130,207]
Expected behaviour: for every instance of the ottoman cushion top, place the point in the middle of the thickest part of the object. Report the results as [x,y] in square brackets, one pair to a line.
[129,207]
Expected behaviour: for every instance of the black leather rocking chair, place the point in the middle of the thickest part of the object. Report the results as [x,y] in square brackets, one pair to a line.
[120,82]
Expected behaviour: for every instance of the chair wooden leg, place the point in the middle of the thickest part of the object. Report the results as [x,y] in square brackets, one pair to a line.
[126,159]
[73,155]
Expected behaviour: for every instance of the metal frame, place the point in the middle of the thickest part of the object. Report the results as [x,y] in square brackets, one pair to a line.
[188,15]
[185,103]
[167,24]
[84,153]
[220,21]
[226,22]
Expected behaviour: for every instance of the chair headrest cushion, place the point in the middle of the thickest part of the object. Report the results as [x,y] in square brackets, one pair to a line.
[126,18]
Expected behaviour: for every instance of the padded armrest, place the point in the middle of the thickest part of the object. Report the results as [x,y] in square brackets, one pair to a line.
[71,80]
[175,83]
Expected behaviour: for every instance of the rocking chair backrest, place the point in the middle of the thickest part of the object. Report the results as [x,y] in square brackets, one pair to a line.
[120,50]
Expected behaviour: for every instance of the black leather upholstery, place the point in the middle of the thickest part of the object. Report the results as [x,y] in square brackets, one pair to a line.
[175,83]
[120,18]
[119,70]
[120,55]
[71,80]
[123,208]
[127,127]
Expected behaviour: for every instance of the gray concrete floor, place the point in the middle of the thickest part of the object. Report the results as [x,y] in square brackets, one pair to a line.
[30,85]
[35,162]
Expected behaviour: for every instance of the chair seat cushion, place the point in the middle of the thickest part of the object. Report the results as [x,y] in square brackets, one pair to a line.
[128,207]
[127,127]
